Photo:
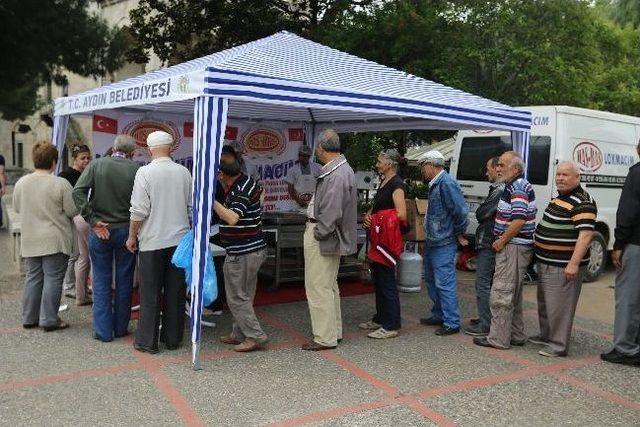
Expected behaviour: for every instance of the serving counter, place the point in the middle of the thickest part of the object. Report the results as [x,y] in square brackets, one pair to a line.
[284,233]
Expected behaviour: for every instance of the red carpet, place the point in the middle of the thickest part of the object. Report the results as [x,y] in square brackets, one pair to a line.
[293,292]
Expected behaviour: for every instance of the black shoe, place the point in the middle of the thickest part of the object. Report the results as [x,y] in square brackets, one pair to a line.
[445,330]
[475,331]
[518,343]
[172,347]
[482,342]
[30,325]
[96,337]
[145,349]
[615,356]
[430,321]
[474,321]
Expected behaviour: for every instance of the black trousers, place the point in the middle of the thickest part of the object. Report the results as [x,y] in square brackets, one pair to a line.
[162,293]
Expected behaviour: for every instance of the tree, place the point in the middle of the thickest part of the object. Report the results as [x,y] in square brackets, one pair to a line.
[626,11]
[43,39]
[179,30]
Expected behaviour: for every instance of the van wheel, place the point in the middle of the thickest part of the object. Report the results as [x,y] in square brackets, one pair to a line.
[598,259]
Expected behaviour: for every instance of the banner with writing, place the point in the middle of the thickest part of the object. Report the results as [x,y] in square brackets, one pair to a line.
[269,149]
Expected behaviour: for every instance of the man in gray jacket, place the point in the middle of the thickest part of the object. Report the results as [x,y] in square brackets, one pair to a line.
[486,258]
[330,234]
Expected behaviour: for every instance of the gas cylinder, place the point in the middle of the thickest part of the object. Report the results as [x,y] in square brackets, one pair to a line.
[410,269]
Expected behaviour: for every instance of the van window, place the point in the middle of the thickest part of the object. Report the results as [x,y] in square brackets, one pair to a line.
[476,150]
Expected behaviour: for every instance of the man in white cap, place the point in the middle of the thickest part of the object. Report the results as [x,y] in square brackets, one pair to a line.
[301,178]
[160,212]
[445,224]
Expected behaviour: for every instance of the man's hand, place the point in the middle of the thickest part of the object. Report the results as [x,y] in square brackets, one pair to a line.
[101,229]
[616,258]
[366,221]
[499,245]
[571,271]
[463,240]
[132,244]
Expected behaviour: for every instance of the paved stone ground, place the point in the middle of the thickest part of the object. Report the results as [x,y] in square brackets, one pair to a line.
[67,378]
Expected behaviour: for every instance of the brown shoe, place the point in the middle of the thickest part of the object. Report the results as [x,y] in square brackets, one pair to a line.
[249,344]
[314,346]
[228,339]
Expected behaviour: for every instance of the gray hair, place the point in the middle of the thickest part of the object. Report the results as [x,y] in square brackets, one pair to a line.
[392,157]
[124,143]
[573,165]
[517,162]
[329,141]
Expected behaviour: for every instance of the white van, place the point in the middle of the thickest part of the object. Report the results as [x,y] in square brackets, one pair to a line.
[602,143]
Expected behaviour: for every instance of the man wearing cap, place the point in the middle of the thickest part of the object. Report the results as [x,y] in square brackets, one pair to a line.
[445,224]
[301,178]
[160,212]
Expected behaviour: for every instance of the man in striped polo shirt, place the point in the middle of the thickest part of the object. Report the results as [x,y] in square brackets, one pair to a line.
[561,248]
[241,235]
[513,231]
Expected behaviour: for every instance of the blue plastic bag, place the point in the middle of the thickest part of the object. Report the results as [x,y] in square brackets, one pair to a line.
[182,258]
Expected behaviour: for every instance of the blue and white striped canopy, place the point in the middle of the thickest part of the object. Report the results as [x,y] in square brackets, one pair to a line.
[286,77]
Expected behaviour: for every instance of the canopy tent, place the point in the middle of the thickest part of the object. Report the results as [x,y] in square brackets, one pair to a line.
[285,77]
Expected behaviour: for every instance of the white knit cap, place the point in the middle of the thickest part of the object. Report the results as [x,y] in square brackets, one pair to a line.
[158,138]
[434,157]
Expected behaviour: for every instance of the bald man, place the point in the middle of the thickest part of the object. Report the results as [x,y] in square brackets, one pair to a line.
[561,247]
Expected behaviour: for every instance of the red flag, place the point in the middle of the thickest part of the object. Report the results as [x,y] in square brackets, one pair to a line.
[105,124]
[188,130]
[296,134]
[231,133]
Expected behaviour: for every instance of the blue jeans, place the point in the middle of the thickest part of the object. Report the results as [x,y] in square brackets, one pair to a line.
[387,299]
[440,277]
[485,266]
[111,310]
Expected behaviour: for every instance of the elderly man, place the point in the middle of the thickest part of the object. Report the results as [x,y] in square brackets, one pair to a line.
[561,248]
[626,258]
[241,235]
[330,234]
[301,178]
[110,181]
[160,212]
[486,259]
[513,230]
[445,224]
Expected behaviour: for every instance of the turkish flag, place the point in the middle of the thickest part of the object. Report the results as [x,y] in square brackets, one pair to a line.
[188,130]
[105,124]
[296,134]
[231,133]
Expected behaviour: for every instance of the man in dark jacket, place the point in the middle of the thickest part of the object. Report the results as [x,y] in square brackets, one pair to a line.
[626,258]
[486,258]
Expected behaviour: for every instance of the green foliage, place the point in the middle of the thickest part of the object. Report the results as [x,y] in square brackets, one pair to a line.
[417,190]
[41,40]
[626,11]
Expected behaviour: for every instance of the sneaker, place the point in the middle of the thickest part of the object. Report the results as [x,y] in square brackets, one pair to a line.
[370,325]
[475,331]
[547,352]
[382,333]
[537,339]
[430,321]
[445,330]
[614,356]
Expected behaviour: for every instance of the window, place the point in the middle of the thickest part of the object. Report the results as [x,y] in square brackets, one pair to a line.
[475,152]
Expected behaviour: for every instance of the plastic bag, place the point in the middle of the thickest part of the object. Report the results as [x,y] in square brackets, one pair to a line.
[182,258]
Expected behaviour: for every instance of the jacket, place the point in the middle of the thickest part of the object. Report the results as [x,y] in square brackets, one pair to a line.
[486,214]
[385,238]
[335,209]
[628,216]
[446,216]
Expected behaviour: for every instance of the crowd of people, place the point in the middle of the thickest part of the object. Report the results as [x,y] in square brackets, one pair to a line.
[109,215]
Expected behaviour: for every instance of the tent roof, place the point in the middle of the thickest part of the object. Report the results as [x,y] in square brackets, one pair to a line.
[355,91]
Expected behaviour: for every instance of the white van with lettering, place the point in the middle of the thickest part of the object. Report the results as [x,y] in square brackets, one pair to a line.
[603,144]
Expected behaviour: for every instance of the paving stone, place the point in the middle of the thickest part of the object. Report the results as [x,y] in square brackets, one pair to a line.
[397,416]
